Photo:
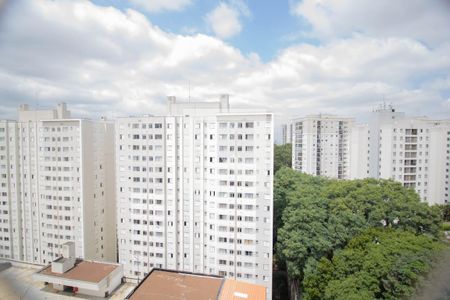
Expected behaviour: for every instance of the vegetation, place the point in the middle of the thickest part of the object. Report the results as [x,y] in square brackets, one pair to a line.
[445,209]
[377,264]
[282,156]
[445,226]
[317,218]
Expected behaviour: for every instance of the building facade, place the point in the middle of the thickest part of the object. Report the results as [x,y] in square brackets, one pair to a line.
[286,134]
[321,145]
[56,185]
[412,150]
[194,192]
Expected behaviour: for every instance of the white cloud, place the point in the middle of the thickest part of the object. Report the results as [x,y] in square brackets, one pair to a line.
[104,61]
[159,5]
[427,21]
[224,20]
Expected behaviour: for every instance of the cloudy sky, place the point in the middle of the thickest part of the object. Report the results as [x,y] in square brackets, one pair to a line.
[292,57]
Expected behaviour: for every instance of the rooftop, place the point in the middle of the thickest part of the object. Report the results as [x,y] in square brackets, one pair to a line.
[16,282]
[238,290]
[159,285]
[166,284]
[84,271]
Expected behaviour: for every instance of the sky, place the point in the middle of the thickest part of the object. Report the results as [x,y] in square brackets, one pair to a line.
[293,58]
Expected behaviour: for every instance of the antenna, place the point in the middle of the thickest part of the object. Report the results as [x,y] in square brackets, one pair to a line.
[189,85]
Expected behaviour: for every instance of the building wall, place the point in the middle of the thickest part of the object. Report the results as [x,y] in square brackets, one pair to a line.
[321,145]
[195,192]
[45,185]
[98,190]
[6,205]
[286,133]
[414,151]
[410,150]
[359,157]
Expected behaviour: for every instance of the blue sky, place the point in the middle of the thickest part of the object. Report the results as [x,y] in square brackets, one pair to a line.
[269,28]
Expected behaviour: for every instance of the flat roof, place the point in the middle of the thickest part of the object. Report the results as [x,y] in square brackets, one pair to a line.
[238,290]
[164,285]
[84,271]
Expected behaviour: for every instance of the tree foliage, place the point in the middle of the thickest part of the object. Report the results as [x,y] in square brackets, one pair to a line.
[377,264]
[317,216]
[282,157]
[445,211]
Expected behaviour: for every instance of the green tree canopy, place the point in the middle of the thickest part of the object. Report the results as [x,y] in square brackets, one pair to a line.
[317,216]
[377,264]
[282,157]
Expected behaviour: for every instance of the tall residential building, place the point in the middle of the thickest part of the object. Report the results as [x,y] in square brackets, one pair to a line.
[359,151]
[56,185]
[286,134]
[321,145]
[412,150]
[194,191]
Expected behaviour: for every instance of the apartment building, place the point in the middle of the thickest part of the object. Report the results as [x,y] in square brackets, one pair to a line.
[56,186]
[359,151]
[412,150]
[194,191]
[286,134]
[321,145]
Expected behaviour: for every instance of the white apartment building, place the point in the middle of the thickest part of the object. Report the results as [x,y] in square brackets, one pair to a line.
[194,192]
[359,151]
[56,185]
[286,134]
[321,145]
[412,150]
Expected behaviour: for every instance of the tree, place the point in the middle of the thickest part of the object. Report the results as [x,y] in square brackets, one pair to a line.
[300,217]
[379,263]
[282,157]
[318,216]
[284,183]
[445,211]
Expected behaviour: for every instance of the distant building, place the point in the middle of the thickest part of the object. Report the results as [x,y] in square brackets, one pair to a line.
[56,185]
[194,191]
[321,145]
[286,135]
[412,150]
[164,284]
[79,276]
[359,149]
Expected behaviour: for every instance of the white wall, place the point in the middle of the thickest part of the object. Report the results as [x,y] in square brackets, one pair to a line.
[193,181]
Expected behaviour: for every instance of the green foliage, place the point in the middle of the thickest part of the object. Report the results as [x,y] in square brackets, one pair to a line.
[445,226]
[377,264]
[286,180]
[316,217]
[282,157]
[287,183]
[445,211]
